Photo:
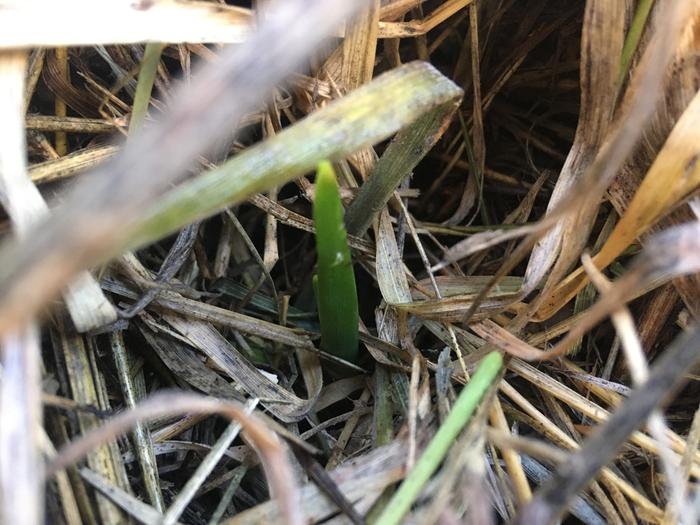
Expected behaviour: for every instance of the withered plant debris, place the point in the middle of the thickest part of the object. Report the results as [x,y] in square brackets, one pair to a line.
[518,176]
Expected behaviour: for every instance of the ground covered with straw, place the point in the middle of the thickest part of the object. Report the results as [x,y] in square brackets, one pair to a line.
[519,183]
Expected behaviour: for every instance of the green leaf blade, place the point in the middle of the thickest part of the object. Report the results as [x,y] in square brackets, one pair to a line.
[337,292]
[436,451]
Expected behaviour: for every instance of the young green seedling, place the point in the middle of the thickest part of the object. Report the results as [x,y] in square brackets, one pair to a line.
[336,293]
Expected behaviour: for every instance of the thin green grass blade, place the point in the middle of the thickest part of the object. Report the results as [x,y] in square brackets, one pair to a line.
[336,293]
[144,87]
[634,35]
[437,449]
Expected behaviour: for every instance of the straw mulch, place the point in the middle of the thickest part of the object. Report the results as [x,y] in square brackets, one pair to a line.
[161,360]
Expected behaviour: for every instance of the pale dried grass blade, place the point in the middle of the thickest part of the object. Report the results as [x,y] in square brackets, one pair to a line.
[352,65]
[601,46]
[579,507]
[608,476]
[512,459]
[592,410]
[21,491]
[636,361]
[232,322]
[359,47]
[281,402]
[478,158]
[88,306]
[21,465]
[456,296]
[666,255]
[178,505]
[674,174]
[141,434]
[391,273]
[72,164]
[669,254]
[133,506]
[69,124]
[570,477]
[420,27]
[183,361]
[173,302]
[395,9]
[687,459]
[482,241]
[33,23]
[60,108]
[35,65]
[367,477]
[228,494]
[641,97]
[85,386]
